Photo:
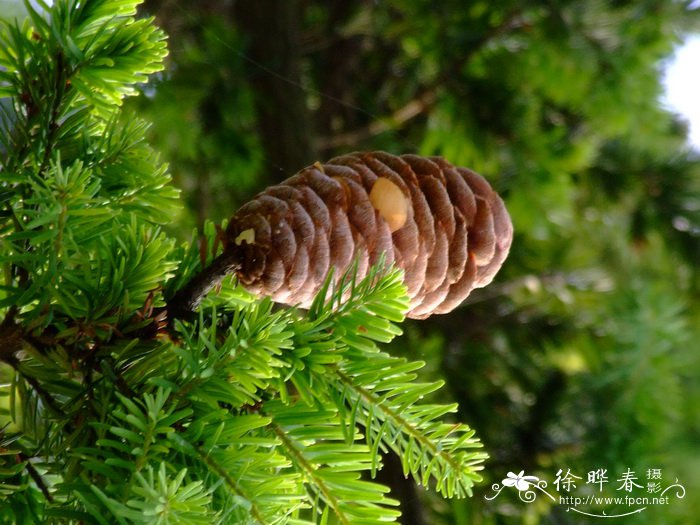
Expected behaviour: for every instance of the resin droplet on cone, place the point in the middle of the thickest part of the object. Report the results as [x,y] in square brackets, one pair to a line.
[443,225]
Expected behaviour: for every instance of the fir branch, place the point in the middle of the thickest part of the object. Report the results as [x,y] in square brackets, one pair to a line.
[32,471]
[310,470]
[330,461]
[239,452]
[383,397]
[48,400]
[230,482]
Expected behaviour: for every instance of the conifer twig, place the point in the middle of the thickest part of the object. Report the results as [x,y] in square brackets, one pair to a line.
[35,476]
[50,402]
[187,299]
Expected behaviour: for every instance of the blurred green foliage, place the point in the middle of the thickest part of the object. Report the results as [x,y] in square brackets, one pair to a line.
[583,354]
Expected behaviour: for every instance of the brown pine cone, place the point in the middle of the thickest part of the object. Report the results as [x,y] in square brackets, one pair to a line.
[443,225]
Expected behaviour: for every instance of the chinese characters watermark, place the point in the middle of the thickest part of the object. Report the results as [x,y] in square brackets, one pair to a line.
[630,492]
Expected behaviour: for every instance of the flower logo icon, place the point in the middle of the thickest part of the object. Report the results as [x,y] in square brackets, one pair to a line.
[524,484]
[519,481]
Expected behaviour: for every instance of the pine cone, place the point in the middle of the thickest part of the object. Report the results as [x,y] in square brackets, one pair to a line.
[443,225]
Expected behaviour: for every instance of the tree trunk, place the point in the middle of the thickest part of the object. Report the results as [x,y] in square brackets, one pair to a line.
[272,29]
